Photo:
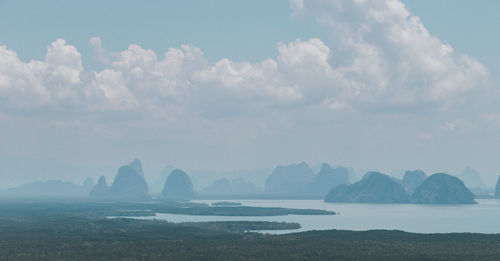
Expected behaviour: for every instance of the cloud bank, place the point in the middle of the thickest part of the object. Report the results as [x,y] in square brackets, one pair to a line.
[380,62]
[380,55]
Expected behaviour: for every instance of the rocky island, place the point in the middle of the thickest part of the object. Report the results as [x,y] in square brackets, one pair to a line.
[441,188]
[178,186]
[374,188]
[129,183]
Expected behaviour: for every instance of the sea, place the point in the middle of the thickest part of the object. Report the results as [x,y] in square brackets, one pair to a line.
[483,217]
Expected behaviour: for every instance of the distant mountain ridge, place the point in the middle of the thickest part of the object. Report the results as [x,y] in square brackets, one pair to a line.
[289,179]
[471,178]
[286,181]
[374,188]
[300,180]
[159,183]
[326,179]
[225,187]
[412,179]
[101,189]
[497,188]
[49,188]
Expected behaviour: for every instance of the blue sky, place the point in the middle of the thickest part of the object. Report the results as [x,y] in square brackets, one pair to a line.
[469,26]
[259,83]
[239,30]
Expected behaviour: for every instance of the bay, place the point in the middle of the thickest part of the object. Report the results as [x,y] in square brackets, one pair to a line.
[478,218]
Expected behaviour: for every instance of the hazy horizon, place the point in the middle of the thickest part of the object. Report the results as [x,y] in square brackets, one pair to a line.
[80,173]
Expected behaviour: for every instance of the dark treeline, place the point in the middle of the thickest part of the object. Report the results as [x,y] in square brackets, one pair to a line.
[51,235]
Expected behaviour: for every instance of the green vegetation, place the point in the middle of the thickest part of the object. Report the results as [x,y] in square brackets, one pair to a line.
[126,209]
[80,231]
[239,211]
[242,226]
[226,203]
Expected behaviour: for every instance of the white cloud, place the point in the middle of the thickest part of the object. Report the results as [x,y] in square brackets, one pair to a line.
[28,86]
[59,54]
[101,53]
[117,95]
[262,81]
[362,97]
[388,54]
[491,118]
[380,56]
[297,5]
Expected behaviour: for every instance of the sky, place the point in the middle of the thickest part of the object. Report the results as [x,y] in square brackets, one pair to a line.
[87,86]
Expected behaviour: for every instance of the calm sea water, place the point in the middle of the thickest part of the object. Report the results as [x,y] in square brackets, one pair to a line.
[481,218]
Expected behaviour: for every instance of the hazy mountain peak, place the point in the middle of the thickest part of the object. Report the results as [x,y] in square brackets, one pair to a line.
[497,188]
[471,178]
[136,164]
[88,184]
[288,179]
[101,189]
[157,185]
[129,184]
[178,186]
[412,179]
[374,188]
[326,179]
[441,188]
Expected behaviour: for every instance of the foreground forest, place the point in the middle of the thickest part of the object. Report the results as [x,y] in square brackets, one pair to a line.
[52,232]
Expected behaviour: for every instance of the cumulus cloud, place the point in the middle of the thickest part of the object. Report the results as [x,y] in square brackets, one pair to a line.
[388,54]
[101,53]
[36,84]
[381,90]
[380,55]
